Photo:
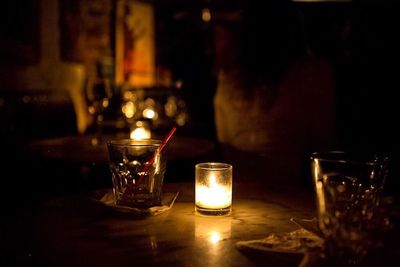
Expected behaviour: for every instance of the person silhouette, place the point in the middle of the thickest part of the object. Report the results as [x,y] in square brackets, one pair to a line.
[275,100]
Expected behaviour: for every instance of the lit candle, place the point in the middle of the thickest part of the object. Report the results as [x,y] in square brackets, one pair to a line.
[213,195]
[213,188]
[140,131]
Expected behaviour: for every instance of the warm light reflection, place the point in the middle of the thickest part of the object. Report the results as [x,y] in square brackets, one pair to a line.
[149,113]
[128,95]
[181,119]
[170,108]
[214,237]
[105,103]
[140,131]
[319,184]
[129,109]
[91,110]
[213,230]
[153,243]
[206,15]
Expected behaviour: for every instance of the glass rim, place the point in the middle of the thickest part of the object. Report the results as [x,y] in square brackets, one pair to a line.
[340,156]
[132,142]
[215,166]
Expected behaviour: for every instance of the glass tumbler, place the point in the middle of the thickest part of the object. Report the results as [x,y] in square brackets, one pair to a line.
[348,190]
[137,168]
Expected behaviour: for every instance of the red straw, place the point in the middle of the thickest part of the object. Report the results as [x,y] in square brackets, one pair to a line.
[159,149]
[151,161]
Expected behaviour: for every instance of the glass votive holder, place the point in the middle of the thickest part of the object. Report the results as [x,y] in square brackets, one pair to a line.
[213,188]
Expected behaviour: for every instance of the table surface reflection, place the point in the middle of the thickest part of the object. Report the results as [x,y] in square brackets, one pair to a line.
[72,231]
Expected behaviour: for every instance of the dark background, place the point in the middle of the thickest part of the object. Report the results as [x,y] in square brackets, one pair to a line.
[359,38]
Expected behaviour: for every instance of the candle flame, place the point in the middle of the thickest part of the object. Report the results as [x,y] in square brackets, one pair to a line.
[213,195]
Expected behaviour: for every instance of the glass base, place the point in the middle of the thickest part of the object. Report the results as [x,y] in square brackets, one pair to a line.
[213,212]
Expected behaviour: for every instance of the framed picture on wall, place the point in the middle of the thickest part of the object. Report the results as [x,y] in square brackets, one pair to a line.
[135,43]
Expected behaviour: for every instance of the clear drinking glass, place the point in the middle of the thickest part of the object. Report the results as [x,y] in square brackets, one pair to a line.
[348,189]
[137,168]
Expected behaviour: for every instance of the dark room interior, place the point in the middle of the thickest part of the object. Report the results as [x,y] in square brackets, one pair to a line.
[262,93]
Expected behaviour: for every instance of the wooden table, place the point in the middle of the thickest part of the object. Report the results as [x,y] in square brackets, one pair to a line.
[73,231]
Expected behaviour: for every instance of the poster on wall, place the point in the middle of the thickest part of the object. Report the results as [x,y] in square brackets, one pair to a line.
[134,44]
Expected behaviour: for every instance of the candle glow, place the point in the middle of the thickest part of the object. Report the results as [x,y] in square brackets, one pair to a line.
[140,133]
[213,195]
[213,188]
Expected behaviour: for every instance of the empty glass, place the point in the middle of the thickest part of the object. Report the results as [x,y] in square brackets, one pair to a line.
[348,190]
[137,168]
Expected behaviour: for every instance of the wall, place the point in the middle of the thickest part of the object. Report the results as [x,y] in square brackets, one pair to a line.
[68,37]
